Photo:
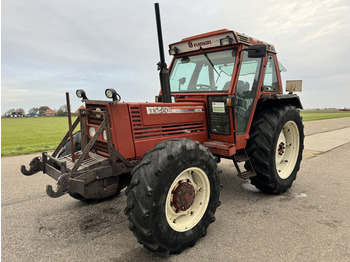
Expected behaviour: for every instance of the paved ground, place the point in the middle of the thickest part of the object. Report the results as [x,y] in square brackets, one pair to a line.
[324,135]
[321,126]
[308,223]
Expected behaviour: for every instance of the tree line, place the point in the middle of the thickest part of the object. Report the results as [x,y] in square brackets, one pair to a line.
[37,111]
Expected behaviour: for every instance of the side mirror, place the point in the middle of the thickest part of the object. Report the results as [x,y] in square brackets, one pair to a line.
[256,51]
[182,81]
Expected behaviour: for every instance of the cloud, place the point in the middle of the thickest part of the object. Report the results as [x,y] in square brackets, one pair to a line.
[52,47]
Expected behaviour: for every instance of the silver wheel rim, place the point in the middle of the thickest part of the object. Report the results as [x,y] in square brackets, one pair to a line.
[287,149]
[187,199]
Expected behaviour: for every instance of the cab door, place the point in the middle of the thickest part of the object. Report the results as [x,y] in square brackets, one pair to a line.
[245,91]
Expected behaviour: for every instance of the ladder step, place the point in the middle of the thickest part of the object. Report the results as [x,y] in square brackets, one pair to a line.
[247,174]
[242,158]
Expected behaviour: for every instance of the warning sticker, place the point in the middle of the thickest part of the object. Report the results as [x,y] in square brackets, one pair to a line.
[218,107]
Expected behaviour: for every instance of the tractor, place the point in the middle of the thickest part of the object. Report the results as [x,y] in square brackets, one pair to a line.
[221,97]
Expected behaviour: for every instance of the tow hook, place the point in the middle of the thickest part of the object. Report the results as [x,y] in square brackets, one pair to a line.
[34,166]
[62,187]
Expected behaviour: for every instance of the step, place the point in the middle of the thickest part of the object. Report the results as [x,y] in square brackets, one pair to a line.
[247,174]
[242,158]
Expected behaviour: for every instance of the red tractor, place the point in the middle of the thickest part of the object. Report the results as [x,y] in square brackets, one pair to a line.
[221,97]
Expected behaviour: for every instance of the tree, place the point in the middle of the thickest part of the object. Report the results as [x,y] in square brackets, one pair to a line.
[42,110]
[10,111]
[62,111]
[21,110]
[33,111]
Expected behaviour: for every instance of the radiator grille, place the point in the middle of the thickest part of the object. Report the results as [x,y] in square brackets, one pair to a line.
[140,131]
[135,116]
[146,132]
[94,119]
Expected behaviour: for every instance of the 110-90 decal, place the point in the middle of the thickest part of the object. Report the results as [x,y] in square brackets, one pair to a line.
[154,110]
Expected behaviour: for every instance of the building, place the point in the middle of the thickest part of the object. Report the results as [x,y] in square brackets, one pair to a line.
[49,112]
[77,111]
[16,113]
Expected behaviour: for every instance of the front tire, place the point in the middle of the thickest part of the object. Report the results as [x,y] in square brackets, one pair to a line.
[173,195]
[275,147]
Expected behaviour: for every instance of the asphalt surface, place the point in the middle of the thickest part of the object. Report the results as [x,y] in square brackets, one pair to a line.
[310,222]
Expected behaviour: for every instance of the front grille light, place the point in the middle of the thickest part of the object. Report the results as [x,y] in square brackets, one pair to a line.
[92,131]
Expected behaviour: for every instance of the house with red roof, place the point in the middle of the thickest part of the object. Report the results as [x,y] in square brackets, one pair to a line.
[77,111]
[49,112]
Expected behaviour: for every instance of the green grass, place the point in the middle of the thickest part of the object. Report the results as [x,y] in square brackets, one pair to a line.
[310,115]
[40,134]
[30,135]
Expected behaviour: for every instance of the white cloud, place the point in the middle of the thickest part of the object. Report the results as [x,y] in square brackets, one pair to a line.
[51,47]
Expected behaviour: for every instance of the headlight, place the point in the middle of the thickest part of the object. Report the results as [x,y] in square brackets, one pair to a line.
[111,93]
[226,41]
[173,51]
[81,94]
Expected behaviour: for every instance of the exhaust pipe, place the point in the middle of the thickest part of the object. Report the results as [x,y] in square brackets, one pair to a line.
[162,66]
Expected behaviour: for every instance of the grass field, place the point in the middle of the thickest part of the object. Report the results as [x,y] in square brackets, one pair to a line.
[310,115]
[30,135]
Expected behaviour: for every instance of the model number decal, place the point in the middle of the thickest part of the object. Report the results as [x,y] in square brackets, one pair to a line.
[173,110]
[158,110]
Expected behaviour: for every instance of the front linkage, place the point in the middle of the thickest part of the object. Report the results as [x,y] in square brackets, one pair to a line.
[91,176]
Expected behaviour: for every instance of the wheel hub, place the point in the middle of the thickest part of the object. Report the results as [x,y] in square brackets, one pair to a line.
[183,196]
[287,149]
[281,148]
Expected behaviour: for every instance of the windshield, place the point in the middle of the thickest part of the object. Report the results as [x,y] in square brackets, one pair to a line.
[208,72]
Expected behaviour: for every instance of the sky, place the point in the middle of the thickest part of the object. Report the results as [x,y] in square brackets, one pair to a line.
[50,47]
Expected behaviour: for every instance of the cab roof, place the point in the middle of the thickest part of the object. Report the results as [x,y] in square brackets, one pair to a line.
[215,39]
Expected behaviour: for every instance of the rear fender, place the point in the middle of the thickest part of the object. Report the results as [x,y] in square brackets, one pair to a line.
[291,99]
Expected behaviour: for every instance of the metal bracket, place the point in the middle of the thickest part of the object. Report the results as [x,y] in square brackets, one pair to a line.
[62,187]
[34,166]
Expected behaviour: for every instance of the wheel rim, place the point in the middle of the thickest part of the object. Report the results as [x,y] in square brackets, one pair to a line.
[187,199]
[287,149]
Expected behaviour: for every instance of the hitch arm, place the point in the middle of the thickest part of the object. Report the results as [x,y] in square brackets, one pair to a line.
[62,187]
[34,166]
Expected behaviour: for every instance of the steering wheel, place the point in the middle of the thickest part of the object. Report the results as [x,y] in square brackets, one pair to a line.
[203,87]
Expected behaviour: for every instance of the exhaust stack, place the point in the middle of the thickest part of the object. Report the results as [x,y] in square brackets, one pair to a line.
[162,66]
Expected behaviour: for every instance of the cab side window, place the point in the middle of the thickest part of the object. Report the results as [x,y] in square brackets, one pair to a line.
[270,79]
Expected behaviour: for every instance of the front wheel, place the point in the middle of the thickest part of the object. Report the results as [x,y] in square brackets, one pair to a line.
[173,195]
[275,147]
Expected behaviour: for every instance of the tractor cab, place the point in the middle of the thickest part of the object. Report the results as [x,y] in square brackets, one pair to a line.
[224,69]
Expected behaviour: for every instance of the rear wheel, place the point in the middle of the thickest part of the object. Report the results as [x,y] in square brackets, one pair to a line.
[275,147]
[173,195]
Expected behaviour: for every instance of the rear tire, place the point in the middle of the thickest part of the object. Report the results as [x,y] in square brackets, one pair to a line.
[173,196]
[275,147]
